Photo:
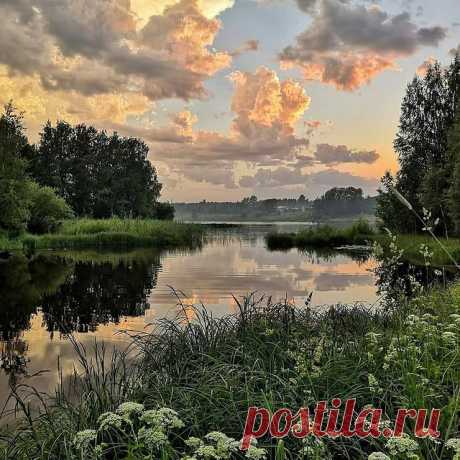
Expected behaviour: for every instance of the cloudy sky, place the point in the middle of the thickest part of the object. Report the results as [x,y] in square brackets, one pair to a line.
[234,97]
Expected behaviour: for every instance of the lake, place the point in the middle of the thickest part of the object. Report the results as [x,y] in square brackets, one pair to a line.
[97,294]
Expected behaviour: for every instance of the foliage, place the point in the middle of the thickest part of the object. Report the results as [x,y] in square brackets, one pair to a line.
[47,209]
[193,378]
[322,236]
[454,192]
[343,202]
[116,232]
[14,204]
[164,211]
[425,175]
[97,174]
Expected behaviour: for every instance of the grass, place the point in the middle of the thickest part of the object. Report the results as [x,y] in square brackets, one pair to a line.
[411,244]
[274,355]
[361,233]
[322,236]
[110,233]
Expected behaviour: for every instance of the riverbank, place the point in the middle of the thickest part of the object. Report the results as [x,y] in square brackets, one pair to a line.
[322,236]
[271,355]
[110,233]
[417,249]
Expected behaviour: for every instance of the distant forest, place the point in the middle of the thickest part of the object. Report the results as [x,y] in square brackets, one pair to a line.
[347,202]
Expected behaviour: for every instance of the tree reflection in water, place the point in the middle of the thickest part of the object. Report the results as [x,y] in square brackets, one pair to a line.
[74,295]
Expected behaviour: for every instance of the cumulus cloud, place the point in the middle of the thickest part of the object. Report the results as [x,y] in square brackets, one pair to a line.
[422,69]
[307,5]
[96,49]
[455,51]
[347,44]
[248,46]
[334,154]
[317,181]
[266,111]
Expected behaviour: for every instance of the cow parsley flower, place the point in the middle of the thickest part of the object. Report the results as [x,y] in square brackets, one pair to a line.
[206,452]
[402,445]
[83,439]
[378,456]
[224,444]
[110,420]
[152,438]
[256,453]
[164,418]
[449,337]
[454,444]
[129,409]
[193,442]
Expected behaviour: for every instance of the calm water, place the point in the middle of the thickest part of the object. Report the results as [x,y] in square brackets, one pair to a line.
[95,295]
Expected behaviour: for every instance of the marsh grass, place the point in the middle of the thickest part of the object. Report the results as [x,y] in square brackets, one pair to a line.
[271,354]
[111,233]
[322,236]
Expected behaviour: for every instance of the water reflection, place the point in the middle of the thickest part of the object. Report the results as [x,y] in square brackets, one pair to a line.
[95,295]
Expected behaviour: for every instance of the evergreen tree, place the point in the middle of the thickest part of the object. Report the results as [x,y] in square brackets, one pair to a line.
[426,166]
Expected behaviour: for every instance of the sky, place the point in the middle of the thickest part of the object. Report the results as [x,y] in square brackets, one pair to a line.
[275,98]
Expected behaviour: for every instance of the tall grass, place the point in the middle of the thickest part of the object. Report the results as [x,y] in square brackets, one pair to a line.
[112,233]
[211,369]
[322,236]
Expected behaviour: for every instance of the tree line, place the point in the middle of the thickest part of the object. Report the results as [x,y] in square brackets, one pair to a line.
[73,171]
[428,149]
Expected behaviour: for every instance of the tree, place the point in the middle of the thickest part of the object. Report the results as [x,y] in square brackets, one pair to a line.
[454,190]
[425,175]
[164,211]
[98,175]
[47,209]
[14,204]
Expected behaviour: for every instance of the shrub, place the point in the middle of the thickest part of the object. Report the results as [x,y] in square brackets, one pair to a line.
[164,211]
[47,209]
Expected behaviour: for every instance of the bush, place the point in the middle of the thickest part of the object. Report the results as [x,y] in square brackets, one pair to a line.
[47,209]
[164,211]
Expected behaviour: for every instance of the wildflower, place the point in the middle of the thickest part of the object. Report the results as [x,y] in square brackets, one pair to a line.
[454,444]
[256,453]
[373,337]
[83,439]
[402,445]
[373,384]
[152,438]
[193,442]
[110,420]
[128,409]
[163,418]
[378,456]
[224,444]
[206,452]
[449,337]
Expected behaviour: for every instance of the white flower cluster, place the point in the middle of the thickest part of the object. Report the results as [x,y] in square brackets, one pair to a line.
[378,456]
[403,445]
[84,439]
[454,444]
[218,446]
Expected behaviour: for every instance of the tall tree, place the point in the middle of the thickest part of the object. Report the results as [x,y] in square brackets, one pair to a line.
[99,175]
[14,206]
[425,175]
[454,191]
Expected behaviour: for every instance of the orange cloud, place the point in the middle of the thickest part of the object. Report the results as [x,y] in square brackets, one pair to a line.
[346,72]
[262,101]
[422,69]
[348,44]
[185,34]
